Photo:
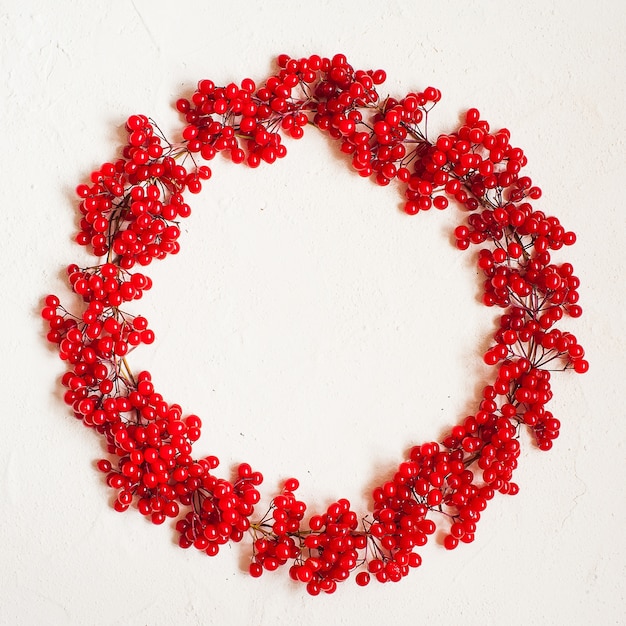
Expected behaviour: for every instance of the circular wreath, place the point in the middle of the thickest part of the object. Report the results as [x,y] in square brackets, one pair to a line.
[130,211]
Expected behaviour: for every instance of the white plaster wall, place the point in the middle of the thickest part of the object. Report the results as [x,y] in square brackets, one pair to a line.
[317,330]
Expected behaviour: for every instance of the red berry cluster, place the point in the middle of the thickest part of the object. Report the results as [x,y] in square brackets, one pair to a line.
[130,215]
[220,509]
[130,209]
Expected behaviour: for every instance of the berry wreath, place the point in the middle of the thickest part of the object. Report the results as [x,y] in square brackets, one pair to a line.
[130,211]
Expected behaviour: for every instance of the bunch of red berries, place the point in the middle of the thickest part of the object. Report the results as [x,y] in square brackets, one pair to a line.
[130,214]
[220,509]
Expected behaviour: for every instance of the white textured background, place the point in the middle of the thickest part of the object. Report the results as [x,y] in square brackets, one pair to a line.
[316,329]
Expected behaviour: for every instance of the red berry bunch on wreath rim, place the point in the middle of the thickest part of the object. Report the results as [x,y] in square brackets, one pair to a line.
[130,214]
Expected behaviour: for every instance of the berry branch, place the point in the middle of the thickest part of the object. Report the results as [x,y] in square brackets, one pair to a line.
[130,215]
